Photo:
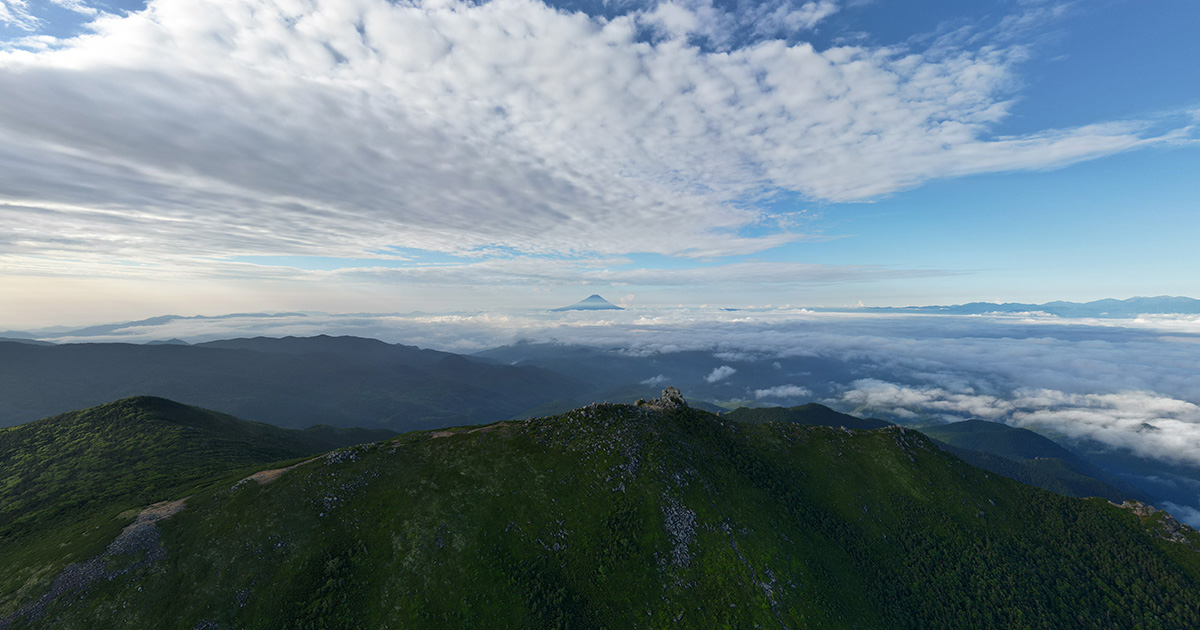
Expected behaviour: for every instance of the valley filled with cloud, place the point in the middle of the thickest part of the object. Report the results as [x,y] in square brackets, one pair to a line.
[1125,384]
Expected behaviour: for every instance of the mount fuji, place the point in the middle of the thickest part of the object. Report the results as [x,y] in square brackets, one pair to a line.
[591,303]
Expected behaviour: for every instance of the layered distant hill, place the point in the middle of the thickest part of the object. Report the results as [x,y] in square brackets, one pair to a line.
[290,382]
[1131,307]
[618,516]
[1028,457]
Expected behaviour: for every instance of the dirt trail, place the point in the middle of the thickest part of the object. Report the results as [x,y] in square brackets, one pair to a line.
[264,477]
[483,429]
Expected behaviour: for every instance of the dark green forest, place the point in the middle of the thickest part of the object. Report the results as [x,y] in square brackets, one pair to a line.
[623,516]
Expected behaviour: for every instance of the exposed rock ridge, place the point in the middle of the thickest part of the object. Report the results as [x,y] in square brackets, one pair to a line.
[1162,525]
[671,400]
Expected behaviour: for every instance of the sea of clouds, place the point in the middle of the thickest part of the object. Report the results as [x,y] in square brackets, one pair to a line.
[1127,384]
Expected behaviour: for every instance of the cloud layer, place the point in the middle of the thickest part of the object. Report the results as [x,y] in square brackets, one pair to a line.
[782,392]
[1149,424]
[1128,384]
[199,130]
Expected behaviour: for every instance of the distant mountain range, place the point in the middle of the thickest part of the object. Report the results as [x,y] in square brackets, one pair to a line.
[591,303]
[1132,307]
[123,327]
[297,382]
[170,326]
[290,382]
[624,516]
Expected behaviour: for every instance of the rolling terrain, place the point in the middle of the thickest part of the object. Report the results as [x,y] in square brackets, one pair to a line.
[1028,457]
[1015,453]
[626,516]
[290,382]
[65,480]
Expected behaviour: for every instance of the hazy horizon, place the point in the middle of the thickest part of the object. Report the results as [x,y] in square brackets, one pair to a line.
[1125,385]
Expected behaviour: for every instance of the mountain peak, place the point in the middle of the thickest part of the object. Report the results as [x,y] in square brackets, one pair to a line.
[592,302]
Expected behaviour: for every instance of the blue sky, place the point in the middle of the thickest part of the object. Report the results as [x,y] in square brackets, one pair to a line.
[208,156]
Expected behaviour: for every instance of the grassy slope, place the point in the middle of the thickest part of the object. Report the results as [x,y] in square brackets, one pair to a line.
[1015,453]
[620,517]
[64,480]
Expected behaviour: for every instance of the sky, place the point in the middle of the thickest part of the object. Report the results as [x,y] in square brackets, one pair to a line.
[213,156]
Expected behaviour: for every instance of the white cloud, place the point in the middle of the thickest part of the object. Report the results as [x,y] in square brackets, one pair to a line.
[78,6]
[337,128]
[877,395]
[1127,384]
[749,20]
[1144,422]
[782,391]
[16,13]
[655,380]
[733,355]
[720,373]
[1183,513]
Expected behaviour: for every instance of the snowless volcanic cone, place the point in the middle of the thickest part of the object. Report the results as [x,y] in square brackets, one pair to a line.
[591,303]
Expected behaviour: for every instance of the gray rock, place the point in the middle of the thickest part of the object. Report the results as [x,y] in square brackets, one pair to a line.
[671,399]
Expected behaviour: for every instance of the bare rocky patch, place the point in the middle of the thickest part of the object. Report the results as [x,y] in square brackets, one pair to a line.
[142,536]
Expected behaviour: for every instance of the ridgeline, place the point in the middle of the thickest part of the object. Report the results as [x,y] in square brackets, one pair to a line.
[637,516]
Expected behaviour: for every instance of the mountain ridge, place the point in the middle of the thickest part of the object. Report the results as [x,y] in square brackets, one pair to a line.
[650,516]
[1041,462]
[66,478]
[1107,307]
[292,382]
[812,414]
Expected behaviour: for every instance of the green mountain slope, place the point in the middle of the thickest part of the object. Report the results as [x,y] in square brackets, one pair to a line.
[64,479]
[1015,453]
[654,516]
[811,414]
[1028,457]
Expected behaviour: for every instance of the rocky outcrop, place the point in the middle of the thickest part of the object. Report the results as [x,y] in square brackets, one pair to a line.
[671,400]
[1160,523]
